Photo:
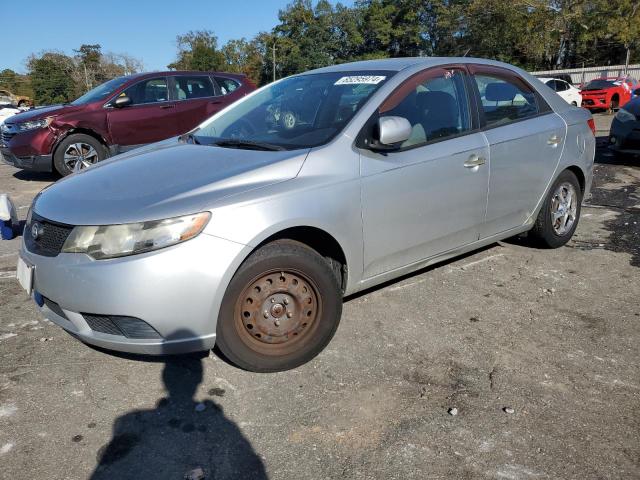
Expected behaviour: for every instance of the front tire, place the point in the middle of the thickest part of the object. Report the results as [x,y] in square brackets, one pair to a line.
[77,152]
[560,212]
[280,310]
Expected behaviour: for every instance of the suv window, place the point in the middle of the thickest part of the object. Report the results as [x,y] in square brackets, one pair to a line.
[153,90]
[227,85]
[435,103]
[505,99]
[187,88]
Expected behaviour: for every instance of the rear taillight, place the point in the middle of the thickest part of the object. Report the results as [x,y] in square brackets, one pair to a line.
[592,125]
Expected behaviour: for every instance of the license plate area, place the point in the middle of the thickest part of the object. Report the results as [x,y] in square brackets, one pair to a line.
[24,272]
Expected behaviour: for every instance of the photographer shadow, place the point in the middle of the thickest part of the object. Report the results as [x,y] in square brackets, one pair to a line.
[180,438]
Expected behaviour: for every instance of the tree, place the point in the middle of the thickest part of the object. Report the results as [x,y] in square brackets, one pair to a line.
[51,77]
[624,24]
[198,50]
[242,56]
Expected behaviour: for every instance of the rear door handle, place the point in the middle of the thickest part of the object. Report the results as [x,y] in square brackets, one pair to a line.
[554,140]
[474,161]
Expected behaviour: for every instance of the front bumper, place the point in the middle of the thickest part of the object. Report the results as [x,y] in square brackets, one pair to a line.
[36,163]
[177,291]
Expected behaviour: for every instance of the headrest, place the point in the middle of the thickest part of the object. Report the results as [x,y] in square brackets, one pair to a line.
[500,92]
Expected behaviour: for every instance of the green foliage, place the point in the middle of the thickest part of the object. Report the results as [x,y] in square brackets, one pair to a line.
[51,77]
[198,51]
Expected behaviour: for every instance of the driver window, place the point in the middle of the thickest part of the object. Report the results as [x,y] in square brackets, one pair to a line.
[153,90]
[434,102]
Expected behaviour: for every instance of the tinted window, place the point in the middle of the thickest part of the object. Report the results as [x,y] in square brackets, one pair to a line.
[599,84]
[435,103]
[148,91]
[551,84]
[561,86]
[193,87]
[227,85]
[505,99]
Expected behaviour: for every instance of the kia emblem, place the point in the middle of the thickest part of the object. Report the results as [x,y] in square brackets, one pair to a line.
[36,230]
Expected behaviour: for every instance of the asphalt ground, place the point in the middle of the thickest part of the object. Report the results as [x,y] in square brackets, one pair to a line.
[552,336]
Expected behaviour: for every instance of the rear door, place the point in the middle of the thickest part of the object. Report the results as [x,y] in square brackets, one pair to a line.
[196,100]
[429,196]
[525,139]
[151,117]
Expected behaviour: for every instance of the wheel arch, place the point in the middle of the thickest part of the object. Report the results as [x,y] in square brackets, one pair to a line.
[84,131]
[317,239]
[580,175]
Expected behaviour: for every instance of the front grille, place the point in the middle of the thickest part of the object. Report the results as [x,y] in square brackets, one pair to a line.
[50,236]
[129,327]
[6,137]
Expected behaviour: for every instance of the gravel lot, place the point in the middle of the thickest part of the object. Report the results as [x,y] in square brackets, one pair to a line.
[554,335]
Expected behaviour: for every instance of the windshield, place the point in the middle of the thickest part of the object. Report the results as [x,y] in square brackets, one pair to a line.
[298,112]
[101,92]
[600,84]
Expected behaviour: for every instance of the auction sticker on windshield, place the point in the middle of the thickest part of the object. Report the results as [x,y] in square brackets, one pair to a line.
[361,79]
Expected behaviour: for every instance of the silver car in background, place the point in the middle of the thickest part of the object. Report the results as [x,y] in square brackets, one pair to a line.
[250,230]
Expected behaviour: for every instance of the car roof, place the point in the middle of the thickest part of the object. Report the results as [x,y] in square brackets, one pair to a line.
[398,64]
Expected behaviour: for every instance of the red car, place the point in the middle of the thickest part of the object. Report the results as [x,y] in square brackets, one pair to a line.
[609,93]
[119,115]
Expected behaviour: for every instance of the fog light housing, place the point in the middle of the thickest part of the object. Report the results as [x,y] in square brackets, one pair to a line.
[613,140]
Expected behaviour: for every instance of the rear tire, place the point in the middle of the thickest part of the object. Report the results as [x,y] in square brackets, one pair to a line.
[280,310]
[77,152]
[560,212]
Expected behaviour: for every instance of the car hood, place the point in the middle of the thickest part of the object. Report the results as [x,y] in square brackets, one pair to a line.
[163,180]
[44,112]
[599,91]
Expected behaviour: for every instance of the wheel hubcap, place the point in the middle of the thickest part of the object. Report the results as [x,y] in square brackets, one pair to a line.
[564,208]
[277,310]
[79,156]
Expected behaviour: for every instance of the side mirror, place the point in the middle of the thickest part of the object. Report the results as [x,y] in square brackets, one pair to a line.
[393,130]
[122,101]
[636,92]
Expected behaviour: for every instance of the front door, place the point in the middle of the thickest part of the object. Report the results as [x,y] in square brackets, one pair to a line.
[429,196]
[149,118]
[525,139]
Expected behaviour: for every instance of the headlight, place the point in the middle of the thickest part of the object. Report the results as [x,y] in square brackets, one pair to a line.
[625,116]
[120,240]
[34,124]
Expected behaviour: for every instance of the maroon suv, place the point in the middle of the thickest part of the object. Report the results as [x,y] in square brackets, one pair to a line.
[119,115]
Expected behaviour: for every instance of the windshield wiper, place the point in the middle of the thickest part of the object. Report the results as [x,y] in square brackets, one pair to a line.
[192,138]
[249,145]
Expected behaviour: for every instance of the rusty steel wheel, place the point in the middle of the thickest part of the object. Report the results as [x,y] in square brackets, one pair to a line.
[281,308]
[276,311]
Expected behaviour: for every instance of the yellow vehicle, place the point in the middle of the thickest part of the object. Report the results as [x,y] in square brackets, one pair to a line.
[6,97]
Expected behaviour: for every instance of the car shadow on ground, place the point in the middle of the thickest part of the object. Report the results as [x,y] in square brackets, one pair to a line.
[29,176]
[180,437]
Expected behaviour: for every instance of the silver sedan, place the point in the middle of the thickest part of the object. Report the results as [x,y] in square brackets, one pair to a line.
[248,231]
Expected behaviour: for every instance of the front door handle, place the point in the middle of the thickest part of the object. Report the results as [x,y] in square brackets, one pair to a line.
[554,140]
[164,107]
[474,161]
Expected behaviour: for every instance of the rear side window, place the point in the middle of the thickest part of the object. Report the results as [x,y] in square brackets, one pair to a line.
[561,86]
[435,103]
[505,99]
[153,90]
[227,85]
[189,87]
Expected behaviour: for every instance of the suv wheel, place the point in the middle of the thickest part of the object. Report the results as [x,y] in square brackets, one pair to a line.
[560,212]
[280,310]
[77,152]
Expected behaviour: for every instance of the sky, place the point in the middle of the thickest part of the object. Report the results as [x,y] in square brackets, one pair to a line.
[145,29]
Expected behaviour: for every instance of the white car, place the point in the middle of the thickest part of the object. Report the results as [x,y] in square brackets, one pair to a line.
[7,111]
[568,92]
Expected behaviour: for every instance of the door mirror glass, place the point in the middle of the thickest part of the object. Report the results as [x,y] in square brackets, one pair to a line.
[636,92]
[122,101]
[393,130]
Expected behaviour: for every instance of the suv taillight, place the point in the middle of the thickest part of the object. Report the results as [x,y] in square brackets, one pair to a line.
[592,125]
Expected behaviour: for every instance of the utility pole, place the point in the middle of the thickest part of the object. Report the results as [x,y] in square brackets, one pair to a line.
[274,60]
[626,63]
